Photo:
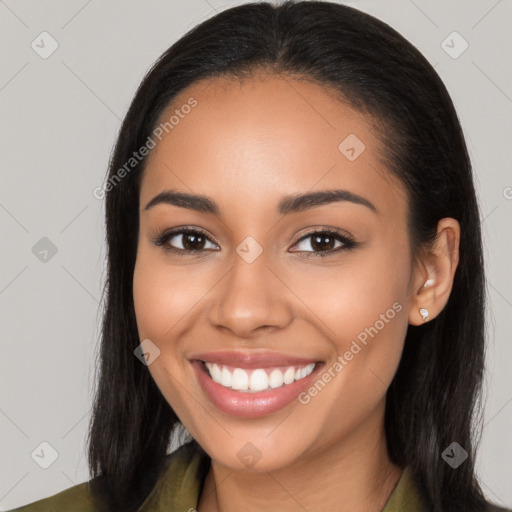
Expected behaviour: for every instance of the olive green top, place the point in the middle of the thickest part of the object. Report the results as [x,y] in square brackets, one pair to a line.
[179,487]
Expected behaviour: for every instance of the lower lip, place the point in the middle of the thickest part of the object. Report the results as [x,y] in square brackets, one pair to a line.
[251,405]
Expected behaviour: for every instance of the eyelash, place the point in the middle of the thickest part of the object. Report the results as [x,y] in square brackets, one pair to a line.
[348,242]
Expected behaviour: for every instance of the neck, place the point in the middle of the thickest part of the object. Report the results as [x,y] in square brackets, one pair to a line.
[352,473]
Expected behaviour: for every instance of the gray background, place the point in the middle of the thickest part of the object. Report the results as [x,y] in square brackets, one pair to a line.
[59,120]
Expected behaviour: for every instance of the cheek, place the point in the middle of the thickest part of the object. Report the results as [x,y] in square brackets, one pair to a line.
[364,315]
[367,292]
[162,295]
[167,301]
[155,300]
[161,301]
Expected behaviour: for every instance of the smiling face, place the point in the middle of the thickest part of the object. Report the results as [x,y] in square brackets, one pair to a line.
[257,284]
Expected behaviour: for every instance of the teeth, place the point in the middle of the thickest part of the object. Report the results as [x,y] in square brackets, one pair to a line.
[240,378]
[225,378]
[289,375]
[276,379]
[257,380]
[215,372]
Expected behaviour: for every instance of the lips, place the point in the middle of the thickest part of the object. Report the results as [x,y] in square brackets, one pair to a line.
[255,397]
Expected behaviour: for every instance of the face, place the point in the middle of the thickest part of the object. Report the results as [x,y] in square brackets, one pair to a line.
[300,305]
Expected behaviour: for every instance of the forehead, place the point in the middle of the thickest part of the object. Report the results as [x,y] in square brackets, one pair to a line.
[267,137]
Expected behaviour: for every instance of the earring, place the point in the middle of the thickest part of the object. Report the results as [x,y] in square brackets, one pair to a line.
[424,314]
[428,282]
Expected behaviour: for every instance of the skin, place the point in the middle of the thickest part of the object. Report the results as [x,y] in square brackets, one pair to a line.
[246,145]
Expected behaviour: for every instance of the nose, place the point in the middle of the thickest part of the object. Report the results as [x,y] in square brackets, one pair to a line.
[250,299]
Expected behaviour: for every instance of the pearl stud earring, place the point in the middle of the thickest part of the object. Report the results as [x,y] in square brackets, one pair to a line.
[424,314]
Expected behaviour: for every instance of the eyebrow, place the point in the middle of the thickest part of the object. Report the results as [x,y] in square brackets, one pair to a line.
[289,204]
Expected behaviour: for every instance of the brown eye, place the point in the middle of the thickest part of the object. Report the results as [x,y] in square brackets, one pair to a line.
[184,241]
[191,241]
[323,243]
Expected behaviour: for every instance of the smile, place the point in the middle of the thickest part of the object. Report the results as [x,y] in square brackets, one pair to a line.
[257,380]
[251,385]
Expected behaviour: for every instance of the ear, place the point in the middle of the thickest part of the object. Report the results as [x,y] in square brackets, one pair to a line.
[434,273]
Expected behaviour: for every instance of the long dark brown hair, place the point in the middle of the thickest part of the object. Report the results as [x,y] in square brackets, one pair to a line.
[435,396]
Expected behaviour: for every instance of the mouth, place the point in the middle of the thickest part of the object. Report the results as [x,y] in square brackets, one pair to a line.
[256,380]
[252,386]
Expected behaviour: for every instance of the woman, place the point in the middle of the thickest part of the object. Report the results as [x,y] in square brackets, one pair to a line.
[295,276]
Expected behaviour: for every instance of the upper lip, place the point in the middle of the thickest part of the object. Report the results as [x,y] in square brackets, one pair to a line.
[250,359]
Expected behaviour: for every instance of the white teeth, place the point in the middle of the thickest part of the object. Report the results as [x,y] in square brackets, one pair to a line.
[240,378]
[276,379]
[225,378]
[259,380]
[215,372]
[289,375]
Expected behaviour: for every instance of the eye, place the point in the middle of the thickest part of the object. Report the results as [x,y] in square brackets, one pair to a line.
[323,243]
[188,240]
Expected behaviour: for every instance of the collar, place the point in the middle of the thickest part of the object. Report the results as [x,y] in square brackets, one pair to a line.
[180,484]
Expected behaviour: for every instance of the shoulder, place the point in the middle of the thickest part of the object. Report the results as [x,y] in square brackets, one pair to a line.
[180,481]
[77,498]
